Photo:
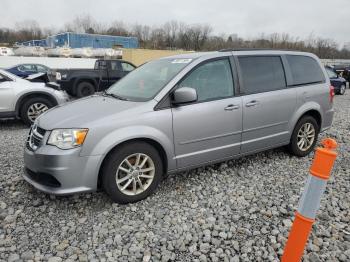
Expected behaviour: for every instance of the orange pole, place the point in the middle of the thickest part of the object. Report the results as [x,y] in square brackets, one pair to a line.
[297,238]
[305,216]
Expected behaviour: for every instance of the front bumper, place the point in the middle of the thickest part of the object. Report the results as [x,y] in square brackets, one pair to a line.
[61,172]
[327,120]
[65,85]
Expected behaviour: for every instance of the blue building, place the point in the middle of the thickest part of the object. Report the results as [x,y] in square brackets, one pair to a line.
[74,40]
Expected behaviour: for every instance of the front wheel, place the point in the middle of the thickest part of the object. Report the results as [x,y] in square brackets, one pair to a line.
[132,172]
[304,136]
[34,107]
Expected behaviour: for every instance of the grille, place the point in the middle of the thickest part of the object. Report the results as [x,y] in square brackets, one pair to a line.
[43,178]
[35,137]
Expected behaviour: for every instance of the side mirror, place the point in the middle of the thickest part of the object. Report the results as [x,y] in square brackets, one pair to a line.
[184,95]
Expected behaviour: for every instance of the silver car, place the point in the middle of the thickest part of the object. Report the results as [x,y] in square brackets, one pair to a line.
[20,98]
[179,113]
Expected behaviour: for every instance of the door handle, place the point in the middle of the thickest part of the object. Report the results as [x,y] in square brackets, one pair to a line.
[252,103]
[231,107]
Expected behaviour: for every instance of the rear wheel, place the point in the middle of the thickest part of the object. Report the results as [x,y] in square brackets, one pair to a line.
[304,136]
[132,172]
[34,107]
[342,89]
[85,89]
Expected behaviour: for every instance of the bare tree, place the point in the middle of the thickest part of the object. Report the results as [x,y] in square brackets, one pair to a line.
[143,33]
[28,30]
[118,28]
[171,31]
[82,24]
[176,35]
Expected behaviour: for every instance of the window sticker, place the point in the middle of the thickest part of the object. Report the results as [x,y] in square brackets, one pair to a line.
[181,61]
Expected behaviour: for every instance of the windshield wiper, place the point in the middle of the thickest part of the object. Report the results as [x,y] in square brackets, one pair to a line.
[115,96]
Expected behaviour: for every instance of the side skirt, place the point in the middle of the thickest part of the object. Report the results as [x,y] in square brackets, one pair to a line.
[225,159]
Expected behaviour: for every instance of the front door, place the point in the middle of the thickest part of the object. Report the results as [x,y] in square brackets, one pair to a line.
[268,104]
[209,129]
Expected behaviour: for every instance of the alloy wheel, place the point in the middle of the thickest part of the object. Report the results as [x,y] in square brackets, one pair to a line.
[135,174]
[306,136]
[35,110]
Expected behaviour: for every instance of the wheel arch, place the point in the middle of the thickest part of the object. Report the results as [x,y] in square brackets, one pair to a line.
[23,98]
[150,141]
[313,111]
[316,115]
[77,81]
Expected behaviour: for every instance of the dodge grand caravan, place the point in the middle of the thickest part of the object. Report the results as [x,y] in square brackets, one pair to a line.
[178,113]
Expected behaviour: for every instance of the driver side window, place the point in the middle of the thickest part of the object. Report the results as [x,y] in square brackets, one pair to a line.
[41,69]
[212,80]
[127,67]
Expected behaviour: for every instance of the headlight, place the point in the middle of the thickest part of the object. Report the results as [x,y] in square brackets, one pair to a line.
[64,76]
[67,138]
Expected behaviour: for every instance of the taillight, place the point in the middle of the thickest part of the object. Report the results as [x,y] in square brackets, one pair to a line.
[331,93]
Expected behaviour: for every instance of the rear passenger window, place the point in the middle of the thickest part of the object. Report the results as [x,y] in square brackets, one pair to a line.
[305,70]
[261,74]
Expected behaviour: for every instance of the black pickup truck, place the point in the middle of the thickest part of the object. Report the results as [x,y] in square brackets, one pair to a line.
[85,82]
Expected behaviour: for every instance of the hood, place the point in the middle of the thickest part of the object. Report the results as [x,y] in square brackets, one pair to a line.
[38,77]
[33,76]
[84,112]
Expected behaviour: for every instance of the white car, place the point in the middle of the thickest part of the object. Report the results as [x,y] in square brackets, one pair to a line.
[26,100]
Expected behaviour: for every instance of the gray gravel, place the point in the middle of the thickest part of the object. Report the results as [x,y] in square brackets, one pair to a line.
[234,211]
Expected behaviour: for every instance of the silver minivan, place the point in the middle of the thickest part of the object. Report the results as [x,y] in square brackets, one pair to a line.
[179,113]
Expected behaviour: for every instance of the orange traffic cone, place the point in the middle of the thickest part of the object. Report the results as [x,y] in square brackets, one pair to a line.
[310,201]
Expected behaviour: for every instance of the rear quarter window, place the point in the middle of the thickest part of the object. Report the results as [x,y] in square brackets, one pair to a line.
[305,70]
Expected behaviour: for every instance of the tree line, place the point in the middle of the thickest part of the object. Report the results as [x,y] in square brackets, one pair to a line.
[177,35]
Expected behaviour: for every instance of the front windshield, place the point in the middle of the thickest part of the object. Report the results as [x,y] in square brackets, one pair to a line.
[8,74]
[145,82]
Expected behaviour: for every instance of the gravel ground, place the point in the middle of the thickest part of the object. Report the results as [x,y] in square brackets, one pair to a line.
[239,210]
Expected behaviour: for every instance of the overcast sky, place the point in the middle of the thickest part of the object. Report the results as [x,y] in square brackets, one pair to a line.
[247,18]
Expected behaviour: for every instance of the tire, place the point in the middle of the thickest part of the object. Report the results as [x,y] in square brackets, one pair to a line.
[111,171]
[342,89]
[294,147]
[34,106]
[85,89]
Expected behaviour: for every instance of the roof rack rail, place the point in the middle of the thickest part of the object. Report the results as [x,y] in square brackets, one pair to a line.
[253,49]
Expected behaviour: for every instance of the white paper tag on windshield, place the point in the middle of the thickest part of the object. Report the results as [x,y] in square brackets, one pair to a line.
[181,61]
